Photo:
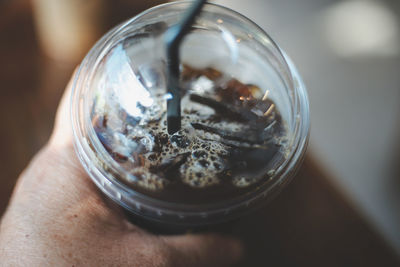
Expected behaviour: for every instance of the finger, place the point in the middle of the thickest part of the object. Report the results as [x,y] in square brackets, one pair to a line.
[62,132]
[204,250]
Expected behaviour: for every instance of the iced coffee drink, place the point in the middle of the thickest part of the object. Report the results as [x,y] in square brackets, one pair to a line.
[230,134]
[244,118]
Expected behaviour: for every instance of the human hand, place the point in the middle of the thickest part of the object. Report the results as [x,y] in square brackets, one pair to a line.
[56,217]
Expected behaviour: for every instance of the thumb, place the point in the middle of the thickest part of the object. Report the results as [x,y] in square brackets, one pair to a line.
[204,250]
[62,133]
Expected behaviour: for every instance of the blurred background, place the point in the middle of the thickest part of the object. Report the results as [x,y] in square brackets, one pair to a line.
[348,52]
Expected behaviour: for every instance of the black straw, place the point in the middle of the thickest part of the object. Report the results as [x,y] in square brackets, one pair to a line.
[174,37]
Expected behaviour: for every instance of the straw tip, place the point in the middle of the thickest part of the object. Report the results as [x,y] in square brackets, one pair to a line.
[174,124]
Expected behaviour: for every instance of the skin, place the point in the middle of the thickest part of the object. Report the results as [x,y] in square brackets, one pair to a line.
[57,217]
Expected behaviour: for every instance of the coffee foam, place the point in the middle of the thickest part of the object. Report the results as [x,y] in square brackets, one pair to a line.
[205,157]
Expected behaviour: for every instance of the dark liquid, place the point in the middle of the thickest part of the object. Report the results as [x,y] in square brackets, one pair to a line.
[231,138]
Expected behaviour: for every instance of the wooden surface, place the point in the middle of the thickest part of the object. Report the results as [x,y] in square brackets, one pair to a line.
[308,224]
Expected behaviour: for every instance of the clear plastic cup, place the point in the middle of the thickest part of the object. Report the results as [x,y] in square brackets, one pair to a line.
[118,116]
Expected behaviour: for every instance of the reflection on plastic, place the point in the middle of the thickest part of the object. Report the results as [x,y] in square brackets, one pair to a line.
[127,87]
